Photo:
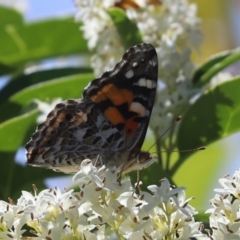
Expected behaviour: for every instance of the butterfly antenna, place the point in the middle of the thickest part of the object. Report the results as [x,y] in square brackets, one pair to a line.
[187,150]
[170,127]
[191,150]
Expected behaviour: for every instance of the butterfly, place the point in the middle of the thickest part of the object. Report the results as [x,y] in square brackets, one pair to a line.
[107,125]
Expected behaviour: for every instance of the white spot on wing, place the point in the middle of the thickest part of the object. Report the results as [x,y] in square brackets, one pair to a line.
[135,64]
[153,62]
[129,74]
[154,84]
[138,108]
[149,84]
[143,82]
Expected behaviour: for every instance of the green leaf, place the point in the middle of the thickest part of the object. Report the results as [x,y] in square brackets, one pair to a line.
[66,87]
[13,131]
[217,63]
[38,41]
[127,30]
[23,81]
[215,115]
[10,16]
[5,69]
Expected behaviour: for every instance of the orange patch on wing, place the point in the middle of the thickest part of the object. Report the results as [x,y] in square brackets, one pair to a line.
[128,95]
[131,126]
[114,116]
[99,97]
[111,92]
[125,4]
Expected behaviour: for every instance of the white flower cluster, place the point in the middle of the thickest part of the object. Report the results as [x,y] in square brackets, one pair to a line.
[173,29]
[225,211]
[104,202]
[100,32]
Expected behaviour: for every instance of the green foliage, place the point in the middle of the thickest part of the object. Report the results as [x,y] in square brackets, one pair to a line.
[217,111]
[24,80]
[217,63]
[127,30]
[23,42]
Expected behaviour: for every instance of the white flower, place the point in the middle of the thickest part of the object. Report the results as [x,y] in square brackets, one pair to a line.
[230,186]
[102,36]
[171,213]
[11,223]
[225,211]
[104,200]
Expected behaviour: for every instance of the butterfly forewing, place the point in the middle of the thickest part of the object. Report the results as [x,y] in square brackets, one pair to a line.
[109,122]
[126,94]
